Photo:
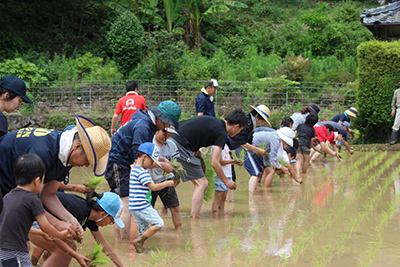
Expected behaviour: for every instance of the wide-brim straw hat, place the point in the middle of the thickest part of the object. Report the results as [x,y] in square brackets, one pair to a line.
[352,112]
[264,112]
[96,144]
[286,134]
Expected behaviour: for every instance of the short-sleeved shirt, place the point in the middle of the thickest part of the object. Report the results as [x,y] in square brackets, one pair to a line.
[138,188]
[21,207]
[168,150]
[341,117]
[79,208]
[245,136]
[205,105]
[128,105]
[43,142]
[227,169]
[201,131]
[125,142]
[336,126]
[322,133]
[298,118]
[3,124]
[305,133]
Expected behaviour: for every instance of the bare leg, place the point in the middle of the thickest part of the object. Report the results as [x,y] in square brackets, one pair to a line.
[176,217]
[218,203]
[139,242]
[230,196]
[269,175]
[305,162]
[200,186]
[253,184]
[36,254]
[298,164]
[124,233]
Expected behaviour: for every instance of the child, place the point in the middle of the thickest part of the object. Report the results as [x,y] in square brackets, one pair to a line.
[221,191]
[139,184]
[21,207]
[93,212]
[168,196]
[306,135]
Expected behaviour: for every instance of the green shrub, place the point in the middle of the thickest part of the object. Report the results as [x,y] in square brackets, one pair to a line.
[379,68]
[27,71]
[125,39]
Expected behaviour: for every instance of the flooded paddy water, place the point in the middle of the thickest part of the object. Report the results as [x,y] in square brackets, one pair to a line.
[344,214]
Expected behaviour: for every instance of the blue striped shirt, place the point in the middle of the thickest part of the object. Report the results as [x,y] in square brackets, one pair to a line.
[138,188]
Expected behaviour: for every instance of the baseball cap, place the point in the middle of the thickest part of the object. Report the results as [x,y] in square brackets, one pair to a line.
[347,124]
[212,82]
[112,204]
[16,85]
[151,150]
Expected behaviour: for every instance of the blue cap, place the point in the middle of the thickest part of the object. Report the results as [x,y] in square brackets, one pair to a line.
[112,204]
[16,85]
[347,124]
[151,150]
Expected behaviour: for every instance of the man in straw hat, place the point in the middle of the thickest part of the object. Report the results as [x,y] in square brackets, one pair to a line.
[84,145]
[125,142]
[204,131]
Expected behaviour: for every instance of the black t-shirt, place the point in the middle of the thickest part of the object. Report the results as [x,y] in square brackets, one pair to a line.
[21,207]
[78,208]
[201,131]
[3,124]
[305,133]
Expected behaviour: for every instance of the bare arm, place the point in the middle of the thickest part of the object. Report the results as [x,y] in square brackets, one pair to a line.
[114,123]
[160,186]
[260,152]
[80,188]
[107,248]
[51,201]
[200,113]
[216,164]
[326,149]
[49,229]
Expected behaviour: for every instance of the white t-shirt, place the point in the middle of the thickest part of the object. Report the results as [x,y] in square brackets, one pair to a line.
[227,169]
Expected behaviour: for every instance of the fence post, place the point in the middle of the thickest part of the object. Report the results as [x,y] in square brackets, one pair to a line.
[287,93]
[90,99]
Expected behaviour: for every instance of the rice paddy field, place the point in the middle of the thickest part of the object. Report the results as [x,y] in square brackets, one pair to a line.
[344,214]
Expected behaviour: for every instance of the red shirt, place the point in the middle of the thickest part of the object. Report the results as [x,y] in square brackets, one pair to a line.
[322,133]
[128,105]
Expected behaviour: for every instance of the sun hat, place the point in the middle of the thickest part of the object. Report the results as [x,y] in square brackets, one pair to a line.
[314,108]
[212,82]
[286,134]
[264,112]
[168,112]
[96,144]
[112,204]
[347,124]
[16,85]
[352,112]
[151,150]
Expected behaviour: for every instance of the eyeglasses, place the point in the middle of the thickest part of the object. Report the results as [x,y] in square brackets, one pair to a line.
[112,221]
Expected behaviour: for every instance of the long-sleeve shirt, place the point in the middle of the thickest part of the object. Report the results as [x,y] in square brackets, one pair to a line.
[396,100]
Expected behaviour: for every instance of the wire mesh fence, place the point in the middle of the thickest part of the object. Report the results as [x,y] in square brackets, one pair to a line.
[86,97]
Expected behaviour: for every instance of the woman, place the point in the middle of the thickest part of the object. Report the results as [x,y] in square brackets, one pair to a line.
[300,117]
[12,93]
[97,210]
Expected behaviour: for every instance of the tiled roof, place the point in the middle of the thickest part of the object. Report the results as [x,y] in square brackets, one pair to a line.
[388,14]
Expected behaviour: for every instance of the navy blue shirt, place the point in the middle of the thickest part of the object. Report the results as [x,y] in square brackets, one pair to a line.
[205,105]
[245,136]
[43,142]
[125,142]
[3,124]
[341,117]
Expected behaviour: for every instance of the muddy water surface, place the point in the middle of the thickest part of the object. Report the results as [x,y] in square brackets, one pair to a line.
[345,214]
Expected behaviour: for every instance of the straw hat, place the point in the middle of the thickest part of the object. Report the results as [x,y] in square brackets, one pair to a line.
[286,134]
[264,112]
[96,144]
[352,112]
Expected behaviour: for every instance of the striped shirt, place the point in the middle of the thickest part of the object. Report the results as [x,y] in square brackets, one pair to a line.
[138,188]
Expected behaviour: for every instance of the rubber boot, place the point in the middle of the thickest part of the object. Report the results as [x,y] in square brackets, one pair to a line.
[395,135]
[138,243]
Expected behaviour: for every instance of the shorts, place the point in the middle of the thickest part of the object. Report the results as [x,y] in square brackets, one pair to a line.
[145,217]
[9,257]
[253,163]
[219,185]
[117,177]
[340,143]
[168,197]
[304,150]
[190,163]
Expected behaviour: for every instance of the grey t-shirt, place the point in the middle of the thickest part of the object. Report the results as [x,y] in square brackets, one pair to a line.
[168,150]
[21,207]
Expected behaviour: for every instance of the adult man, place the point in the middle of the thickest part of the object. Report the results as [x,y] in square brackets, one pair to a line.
[395,109]
[83,145]
[347,115]
[125,142]
[128,105]
[204,131]
[204,102]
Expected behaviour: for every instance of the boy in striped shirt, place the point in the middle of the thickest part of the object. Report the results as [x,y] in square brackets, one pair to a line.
[146,217]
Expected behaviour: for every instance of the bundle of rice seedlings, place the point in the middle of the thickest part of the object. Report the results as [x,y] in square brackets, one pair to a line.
[210,174]
[92,185]
[98,257]
[179,171]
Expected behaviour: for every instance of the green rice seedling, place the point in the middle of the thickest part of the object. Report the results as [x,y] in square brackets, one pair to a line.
[97,256]
[188,245]
[179,171]
[211,231]
[160,257]
[210,174]
[92,184]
